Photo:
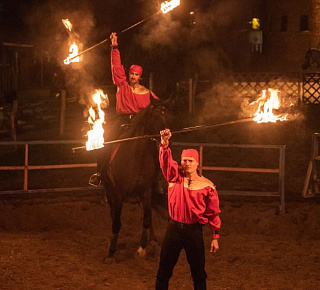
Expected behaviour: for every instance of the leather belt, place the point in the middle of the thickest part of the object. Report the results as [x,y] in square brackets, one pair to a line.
[184,225]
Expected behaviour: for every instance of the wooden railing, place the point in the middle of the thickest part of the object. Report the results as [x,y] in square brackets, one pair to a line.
[312,182]
[280,170]
[26,167]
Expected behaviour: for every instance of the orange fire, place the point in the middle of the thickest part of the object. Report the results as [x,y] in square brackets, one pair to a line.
[96,120]
[167,6]
[67,24]
[266,103]
[73,51]
[74,48]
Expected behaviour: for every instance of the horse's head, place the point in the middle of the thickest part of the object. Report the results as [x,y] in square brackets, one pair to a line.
[152,119]
[158,116]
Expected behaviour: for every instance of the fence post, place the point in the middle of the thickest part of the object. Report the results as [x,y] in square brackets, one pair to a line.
[315,156]
[25,171]
[151,82]
[190,97]
[200,159]
[63,111]
[281,179]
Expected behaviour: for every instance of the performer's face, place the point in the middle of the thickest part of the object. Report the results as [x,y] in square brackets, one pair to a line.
[189,165]
[134,78]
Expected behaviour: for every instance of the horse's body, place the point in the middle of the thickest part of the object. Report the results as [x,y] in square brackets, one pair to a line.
[311,59]
[133,170]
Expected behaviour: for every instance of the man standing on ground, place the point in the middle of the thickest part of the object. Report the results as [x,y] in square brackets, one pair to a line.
[192,202]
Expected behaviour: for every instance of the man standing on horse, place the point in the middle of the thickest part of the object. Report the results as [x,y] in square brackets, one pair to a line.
[192,202]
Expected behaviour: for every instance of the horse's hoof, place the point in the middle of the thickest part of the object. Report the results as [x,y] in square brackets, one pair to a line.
[141,252]
[109,258]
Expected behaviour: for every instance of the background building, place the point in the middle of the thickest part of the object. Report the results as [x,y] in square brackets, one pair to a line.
[289,28]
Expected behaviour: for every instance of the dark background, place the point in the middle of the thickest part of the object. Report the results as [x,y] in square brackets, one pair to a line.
[174,46]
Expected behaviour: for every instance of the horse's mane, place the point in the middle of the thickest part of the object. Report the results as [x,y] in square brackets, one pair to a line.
[139,122]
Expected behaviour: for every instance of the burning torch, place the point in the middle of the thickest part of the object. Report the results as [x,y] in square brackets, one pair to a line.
[166,6]
[74,48]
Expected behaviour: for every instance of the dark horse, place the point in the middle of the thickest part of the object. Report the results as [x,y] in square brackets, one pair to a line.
[311,59]
[133,170]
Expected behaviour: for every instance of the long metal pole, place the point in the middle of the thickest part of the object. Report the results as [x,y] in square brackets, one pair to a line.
[92,47]
[105,40]
[189,129]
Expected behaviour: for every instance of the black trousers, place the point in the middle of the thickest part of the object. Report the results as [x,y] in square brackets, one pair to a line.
[177,237]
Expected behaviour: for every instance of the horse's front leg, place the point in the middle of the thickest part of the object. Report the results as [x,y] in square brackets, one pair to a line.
[116,210]
[147,223]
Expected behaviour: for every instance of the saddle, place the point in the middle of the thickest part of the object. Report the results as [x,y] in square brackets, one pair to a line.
[96,178]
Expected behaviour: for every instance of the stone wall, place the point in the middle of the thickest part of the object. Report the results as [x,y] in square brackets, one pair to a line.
[285,50]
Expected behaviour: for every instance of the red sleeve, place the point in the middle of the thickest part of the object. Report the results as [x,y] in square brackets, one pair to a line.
[169,167]
[117,69]
[154,95]
[212,212]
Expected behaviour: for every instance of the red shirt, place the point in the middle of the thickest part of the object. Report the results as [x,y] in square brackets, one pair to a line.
[197,202]
[127,102]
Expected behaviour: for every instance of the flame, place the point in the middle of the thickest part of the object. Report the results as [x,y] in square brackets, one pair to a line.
[167,6]
[67,24]
[74,48]
[267,102]
[96,121]
[73,51]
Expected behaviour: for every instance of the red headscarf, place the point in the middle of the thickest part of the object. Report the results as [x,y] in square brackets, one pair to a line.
[136,68]
[190,153]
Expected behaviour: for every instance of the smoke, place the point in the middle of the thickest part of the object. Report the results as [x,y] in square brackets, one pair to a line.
[188,44]
[224,102]
[219,103]
[199,42]
[165,32]
[175,29]
[48,32]
[52,39]
[223,14]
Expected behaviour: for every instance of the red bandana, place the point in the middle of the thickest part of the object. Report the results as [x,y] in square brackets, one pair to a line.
[190,153]
[136,68]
